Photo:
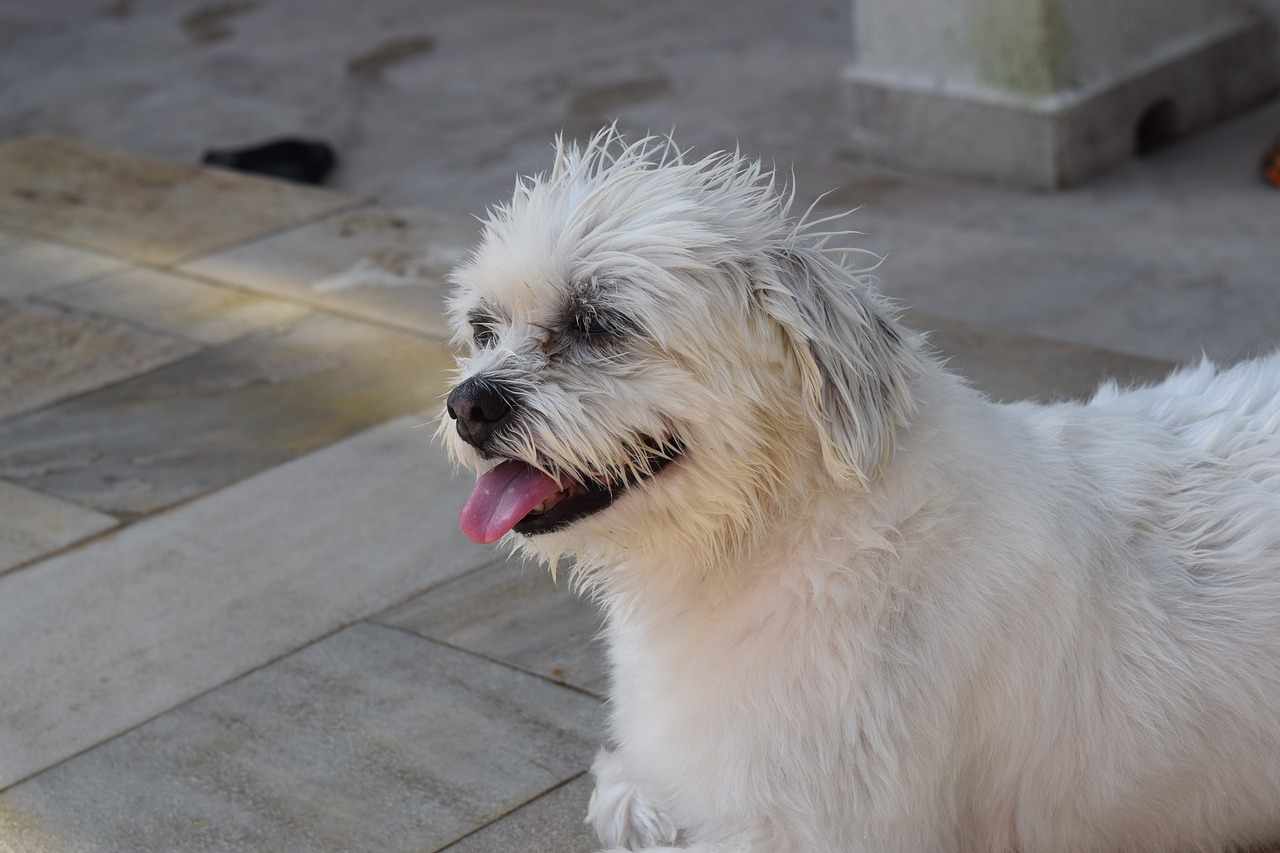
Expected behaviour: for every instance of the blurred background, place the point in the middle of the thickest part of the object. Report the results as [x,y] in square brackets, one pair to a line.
[442,102]
[430,103]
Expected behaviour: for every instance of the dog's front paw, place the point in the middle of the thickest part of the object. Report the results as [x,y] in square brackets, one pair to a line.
[619,812]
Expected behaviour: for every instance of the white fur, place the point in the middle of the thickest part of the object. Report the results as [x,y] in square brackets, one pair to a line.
[867,609]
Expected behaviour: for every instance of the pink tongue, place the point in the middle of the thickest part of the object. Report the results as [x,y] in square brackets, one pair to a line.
[502,497]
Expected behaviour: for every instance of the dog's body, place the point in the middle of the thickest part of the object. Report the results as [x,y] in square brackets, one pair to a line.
[851,604]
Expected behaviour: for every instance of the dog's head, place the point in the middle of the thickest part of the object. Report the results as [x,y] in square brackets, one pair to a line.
[658,356]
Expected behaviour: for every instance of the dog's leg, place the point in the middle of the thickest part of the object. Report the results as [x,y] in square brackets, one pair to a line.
[619,812]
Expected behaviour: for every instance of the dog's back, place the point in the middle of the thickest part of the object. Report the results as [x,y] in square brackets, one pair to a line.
[1160,730]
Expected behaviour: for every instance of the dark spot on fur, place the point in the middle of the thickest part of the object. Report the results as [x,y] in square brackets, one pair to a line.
[483,327]
[890,333]
[591,317]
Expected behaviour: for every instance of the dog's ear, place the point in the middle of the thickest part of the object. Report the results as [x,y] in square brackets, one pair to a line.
[856,363]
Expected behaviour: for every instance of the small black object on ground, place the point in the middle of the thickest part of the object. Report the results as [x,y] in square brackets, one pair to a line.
[303,160]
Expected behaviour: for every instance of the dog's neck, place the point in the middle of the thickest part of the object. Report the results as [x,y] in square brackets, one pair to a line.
[674,566]
[817,521]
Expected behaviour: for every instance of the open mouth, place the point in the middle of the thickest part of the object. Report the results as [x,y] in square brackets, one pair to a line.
[517,496]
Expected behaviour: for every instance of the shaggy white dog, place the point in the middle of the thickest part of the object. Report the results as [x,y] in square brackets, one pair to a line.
[851,604]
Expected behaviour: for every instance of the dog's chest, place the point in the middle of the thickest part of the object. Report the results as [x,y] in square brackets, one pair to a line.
[727,709]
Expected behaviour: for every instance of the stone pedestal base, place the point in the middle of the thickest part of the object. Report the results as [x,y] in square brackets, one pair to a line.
[1065,137]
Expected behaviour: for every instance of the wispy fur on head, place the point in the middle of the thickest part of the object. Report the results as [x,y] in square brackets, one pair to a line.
[695,269]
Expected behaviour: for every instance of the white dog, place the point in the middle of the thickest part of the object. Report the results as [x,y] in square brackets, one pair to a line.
[851,604]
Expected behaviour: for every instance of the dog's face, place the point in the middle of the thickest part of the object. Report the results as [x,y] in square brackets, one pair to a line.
[654,359]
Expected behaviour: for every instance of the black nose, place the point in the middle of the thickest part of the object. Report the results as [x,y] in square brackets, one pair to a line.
[481,408]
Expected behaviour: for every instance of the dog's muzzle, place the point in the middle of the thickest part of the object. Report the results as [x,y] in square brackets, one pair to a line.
[481,408]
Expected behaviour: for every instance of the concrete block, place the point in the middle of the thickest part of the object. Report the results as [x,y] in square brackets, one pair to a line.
[1048,93]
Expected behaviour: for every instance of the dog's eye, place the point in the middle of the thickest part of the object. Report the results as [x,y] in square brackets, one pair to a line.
[482,333]
[589,325]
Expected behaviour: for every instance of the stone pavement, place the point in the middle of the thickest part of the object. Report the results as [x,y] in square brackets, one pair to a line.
[237,611]
[240,615]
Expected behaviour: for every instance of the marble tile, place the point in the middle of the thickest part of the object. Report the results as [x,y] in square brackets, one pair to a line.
[150,210]
[223,414]
[33,525]
[371,739]
[1012,367]
[49,353]
[386,265]
[107,636]
[515,613]
[553,823]
[31,266]
[177,304]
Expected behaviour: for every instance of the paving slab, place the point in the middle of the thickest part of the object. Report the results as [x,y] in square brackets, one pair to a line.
[30,266]
[148,210]
[177,304]
[513,612]
[223,414]
[1201,197]
[553,823]
[377,263]
[49,353]
[1160,306]
[33,525]
[1010,367]
[10,242]
[108,635]
[371,739]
